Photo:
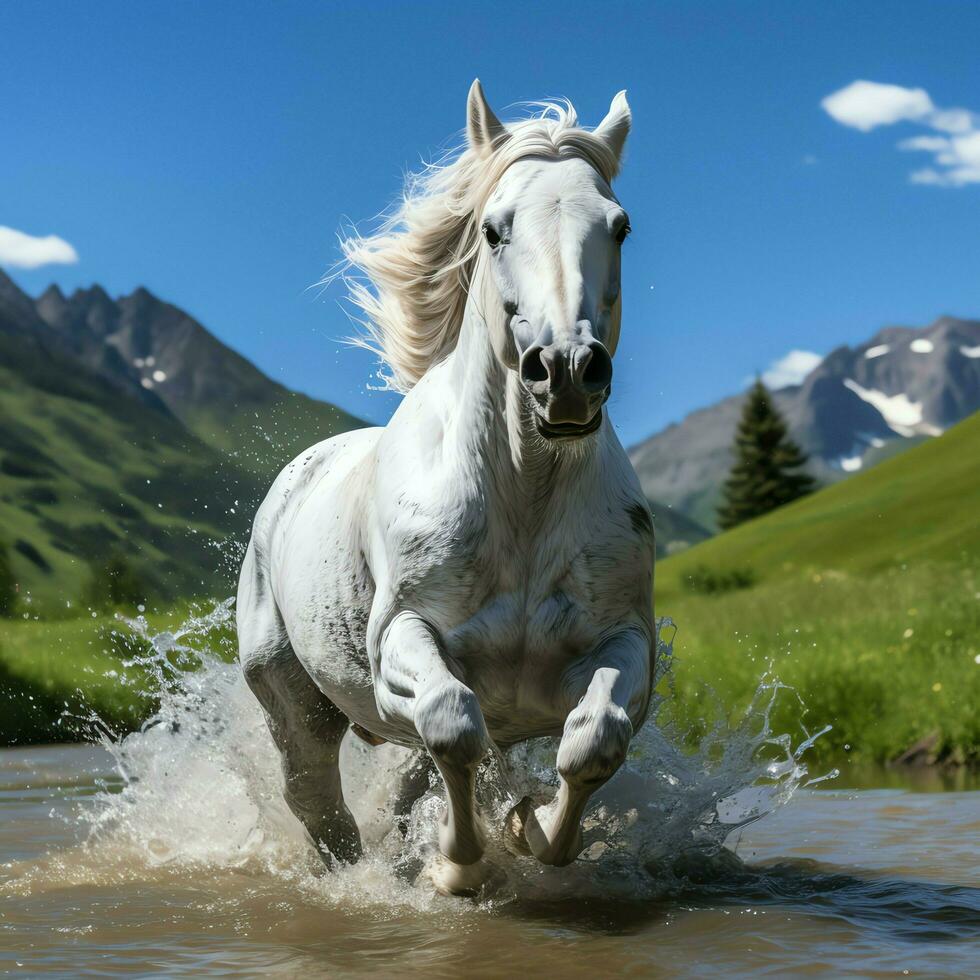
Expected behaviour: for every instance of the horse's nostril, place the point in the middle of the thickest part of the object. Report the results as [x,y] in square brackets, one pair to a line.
[533,367]
[598,370]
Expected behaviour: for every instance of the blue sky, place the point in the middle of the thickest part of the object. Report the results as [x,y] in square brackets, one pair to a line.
[211,151]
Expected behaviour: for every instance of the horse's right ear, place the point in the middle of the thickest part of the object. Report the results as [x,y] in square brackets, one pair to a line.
[483,128]
[616,126]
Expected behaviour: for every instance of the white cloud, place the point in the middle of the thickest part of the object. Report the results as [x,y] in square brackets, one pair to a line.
[953,120]
[791,369]
[866,105]
[31,252]
[931,144]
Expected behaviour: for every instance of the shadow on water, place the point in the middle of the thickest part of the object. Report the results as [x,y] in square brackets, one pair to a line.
[903,910]
[589,916]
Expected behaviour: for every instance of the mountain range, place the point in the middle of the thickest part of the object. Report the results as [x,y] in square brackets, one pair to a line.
[856,407]
[128,427]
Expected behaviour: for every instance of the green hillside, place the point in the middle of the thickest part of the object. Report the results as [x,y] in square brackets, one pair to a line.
[83,476]
[864,596]
[131,438]
[923,504]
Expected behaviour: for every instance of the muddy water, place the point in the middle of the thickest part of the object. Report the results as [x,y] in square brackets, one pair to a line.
[837,882]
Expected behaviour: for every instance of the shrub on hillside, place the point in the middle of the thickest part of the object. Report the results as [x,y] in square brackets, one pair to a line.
[708,581]
[114,582]
[8,584]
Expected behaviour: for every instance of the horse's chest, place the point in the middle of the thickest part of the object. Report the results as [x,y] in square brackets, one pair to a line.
[514,611]
[513,650]
[494,590]
[515,620]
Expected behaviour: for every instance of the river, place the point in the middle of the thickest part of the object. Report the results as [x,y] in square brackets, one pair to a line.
[839,881]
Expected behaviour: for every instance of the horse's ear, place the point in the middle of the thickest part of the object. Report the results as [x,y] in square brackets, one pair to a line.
[482,125]
[616,126]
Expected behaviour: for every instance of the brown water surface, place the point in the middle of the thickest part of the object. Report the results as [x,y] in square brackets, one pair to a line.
[856,882]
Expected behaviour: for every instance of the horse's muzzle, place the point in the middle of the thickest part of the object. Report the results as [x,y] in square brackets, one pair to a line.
[569,383]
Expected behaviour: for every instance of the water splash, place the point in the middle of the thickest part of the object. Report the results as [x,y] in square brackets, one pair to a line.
[200,785]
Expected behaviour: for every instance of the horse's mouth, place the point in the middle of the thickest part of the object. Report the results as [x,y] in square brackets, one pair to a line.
[568,430]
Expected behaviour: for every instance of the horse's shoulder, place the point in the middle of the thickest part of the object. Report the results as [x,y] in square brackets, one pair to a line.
[300,477]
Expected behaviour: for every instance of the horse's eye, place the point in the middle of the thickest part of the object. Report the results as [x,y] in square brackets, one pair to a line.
[623,231]
[493,239]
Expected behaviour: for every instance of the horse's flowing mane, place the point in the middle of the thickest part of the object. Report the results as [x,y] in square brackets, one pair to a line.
[419,262]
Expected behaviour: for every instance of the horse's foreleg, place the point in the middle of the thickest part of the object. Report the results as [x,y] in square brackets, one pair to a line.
[416,685]
[611,687]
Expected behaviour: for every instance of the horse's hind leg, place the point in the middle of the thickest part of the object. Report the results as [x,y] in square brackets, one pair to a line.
[307,729]
[415,781]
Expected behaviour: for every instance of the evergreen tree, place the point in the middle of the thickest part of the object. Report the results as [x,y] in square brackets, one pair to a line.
[766,473]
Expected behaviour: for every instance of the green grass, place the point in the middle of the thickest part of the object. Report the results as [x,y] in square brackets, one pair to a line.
[885,660]
[54,674]
[865,597]
[80,479]
[920,505]
[867,601]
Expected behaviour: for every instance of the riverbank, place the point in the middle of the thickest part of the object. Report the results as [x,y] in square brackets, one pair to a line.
[887,660]
[890,661]
[68,679]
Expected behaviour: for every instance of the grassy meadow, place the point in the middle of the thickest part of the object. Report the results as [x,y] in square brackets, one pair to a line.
[56,676]
[864,597]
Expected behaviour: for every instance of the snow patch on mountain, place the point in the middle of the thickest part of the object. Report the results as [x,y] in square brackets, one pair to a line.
[901,414]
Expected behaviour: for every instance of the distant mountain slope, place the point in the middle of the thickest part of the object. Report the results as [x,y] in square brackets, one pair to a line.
[856,407]
[922,504]
[100,452]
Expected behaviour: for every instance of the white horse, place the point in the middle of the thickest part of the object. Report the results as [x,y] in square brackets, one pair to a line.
[481,568]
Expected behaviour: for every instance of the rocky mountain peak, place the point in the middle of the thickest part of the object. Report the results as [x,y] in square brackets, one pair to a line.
[856,406]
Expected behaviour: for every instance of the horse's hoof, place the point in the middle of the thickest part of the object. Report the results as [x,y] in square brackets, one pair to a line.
[527,831]
[515,826]
[464,880]
[514,839]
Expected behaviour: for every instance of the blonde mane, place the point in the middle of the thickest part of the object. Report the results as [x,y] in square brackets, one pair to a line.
[418,265]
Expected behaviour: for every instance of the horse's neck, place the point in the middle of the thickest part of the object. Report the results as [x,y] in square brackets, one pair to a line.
[493,433]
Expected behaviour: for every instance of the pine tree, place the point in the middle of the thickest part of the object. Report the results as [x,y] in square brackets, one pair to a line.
[766,473]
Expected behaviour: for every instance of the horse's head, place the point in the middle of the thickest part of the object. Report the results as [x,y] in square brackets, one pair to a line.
[553,230]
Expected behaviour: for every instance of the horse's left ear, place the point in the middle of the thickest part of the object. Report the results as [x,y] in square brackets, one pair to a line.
[483,128]
[616,126]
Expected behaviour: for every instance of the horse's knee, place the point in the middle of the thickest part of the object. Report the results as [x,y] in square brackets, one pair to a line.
[301,717]
[450,723]
[263,654]
[594,743]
